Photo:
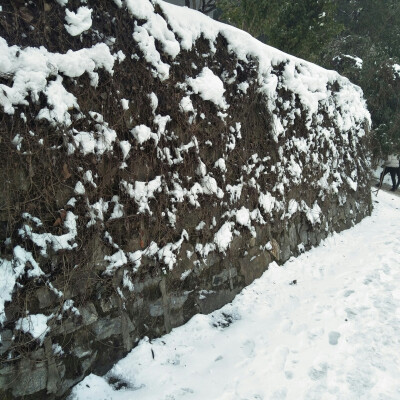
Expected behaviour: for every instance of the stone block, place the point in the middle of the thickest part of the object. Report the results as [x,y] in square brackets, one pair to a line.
[156,308]
[53,375]
[216,300]
[176,302]
[253,267]
[89,314]
[46,297]
[127,328]
[139,287]
[212,259]
[293,237]
[303,233]
[285,252]
[82,351]
[31,376]
[38,355]
[7,374]
[87,363]
[276,250]
[6,340]
[225,275]
[67,326]
[106,327]
[176,318]
[109,303]
[185,263]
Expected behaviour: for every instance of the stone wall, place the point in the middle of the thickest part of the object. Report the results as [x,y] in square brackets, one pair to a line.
[108,327]
[149,177]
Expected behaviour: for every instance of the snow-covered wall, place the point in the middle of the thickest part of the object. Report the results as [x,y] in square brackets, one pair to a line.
[155,162]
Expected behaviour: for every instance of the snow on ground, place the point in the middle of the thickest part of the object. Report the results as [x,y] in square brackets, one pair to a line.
[325,325]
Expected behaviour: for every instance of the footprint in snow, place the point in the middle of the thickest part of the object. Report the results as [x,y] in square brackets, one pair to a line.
[248,348]
[350,313]
[367,281]
[318,372]
[187,390]
[334,338]
[280,394]
[289,374]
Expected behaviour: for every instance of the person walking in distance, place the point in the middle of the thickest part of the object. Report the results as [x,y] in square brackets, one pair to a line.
[391,166]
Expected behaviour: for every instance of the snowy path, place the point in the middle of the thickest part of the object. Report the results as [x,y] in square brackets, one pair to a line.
[335,334]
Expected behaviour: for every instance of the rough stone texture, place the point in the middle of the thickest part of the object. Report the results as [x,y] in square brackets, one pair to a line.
[111,312]
[109,330]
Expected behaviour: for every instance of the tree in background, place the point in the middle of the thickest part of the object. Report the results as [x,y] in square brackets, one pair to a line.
[204,6]
[358,38]
[302,28]
[249,15]
[372,36]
